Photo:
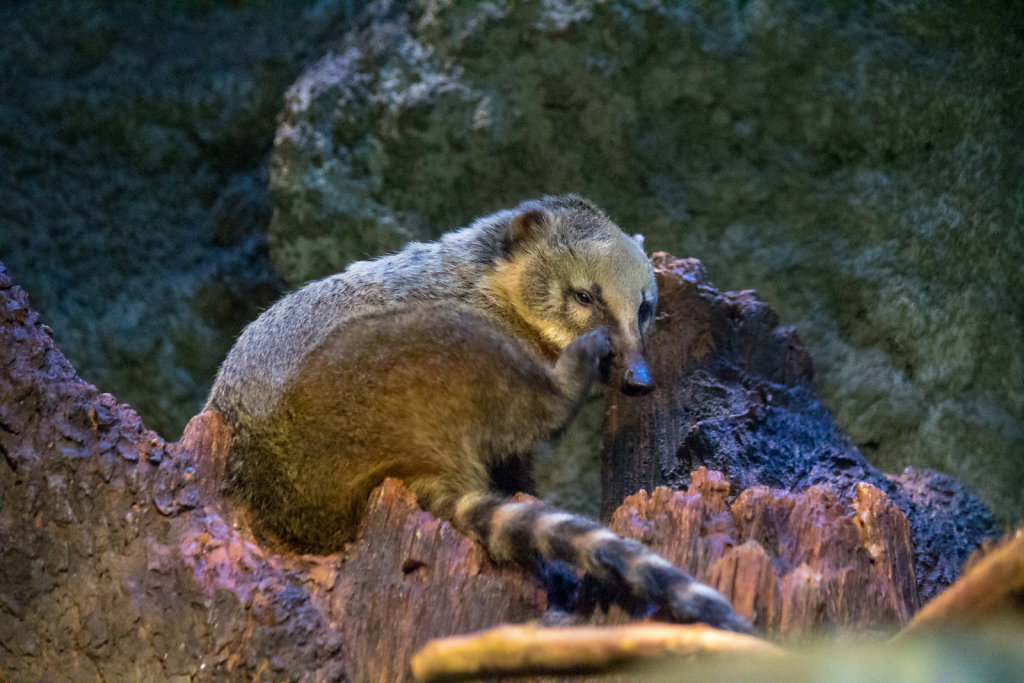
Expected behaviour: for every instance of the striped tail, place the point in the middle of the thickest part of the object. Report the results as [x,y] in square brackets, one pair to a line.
[519,532]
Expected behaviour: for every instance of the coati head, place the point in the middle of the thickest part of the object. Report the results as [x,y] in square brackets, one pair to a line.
[567,269]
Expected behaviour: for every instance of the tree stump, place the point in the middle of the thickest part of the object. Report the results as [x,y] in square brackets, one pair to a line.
[119,557]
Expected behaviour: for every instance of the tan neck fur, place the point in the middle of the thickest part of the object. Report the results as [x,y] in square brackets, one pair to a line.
[501,288]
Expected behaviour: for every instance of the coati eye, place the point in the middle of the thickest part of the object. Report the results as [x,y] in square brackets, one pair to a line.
[645,311]
[583,297]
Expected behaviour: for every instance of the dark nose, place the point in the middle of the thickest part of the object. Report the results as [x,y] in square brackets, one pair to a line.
[636,380]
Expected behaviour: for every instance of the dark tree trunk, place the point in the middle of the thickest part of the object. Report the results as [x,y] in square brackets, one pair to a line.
[735,393]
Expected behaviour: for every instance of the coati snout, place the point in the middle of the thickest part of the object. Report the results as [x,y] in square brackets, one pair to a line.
[627,371]
[636,376]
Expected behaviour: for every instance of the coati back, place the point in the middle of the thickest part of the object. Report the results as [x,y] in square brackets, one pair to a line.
[446,365]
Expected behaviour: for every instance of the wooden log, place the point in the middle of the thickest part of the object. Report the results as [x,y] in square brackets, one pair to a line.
[534,651]
[120,559]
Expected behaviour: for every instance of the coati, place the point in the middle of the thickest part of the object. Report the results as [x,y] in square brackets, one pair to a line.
[446,364]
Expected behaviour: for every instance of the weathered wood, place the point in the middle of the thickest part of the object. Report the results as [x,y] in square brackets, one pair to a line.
[704,341]
[794,564]
[120,559]
[410,577]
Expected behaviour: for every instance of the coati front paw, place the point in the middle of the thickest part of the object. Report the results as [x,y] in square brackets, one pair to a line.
[594,347]
[581,361]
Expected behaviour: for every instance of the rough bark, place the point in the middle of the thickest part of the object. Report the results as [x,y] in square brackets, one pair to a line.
[735,393]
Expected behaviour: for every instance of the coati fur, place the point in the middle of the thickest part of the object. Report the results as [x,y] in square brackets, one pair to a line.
[446,365]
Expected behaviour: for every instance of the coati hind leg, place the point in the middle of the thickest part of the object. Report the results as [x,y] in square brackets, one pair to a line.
[437,396]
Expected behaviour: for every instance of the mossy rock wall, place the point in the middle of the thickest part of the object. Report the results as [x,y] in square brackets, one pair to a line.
[859,165]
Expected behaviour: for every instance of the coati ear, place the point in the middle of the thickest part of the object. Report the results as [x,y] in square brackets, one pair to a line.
[639,239]
[526,227]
